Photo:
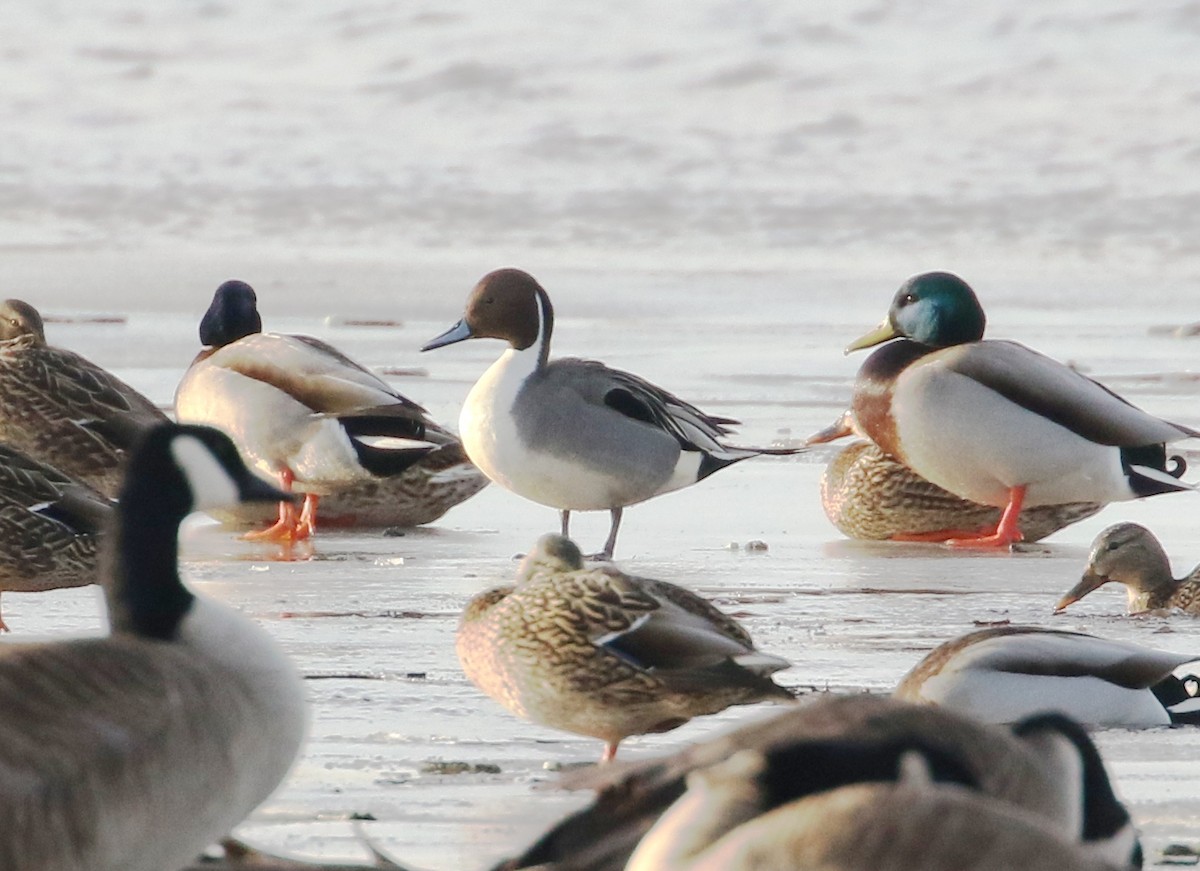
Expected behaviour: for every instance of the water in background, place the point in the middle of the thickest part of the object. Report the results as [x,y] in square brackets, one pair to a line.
[718,196]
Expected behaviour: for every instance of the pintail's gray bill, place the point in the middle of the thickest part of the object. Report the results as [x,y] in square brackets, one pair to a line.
[457,333]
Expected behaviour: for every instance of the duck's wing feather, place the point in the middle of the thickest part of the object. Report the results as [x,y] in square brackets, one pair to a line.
[1046,387]
[1055,653]
[308,370]
[640,400]
[686,646]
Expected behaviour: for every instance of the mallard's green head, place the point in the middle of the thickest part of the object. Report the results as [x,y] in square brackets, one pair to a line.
[934,308]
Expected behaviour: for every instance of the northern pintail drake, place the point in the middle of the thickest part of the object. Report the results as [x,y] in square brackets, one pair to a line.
[598,652]
[995,422]
[135,751]
[1004,673]
[302,411]
[62,409]
[1129,554]
[569,433]
[51,527]
[870,496]
[1045,768]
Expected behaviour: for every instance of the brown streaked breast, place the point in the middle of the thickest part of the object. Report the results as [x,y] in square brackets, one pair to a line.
[873,389]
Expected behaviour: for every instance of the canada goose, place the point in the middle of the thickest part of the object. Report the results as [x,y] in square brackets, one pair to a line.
[575,434]
[62,409]
[1046,767]
[133,752]
[598,652]
[995,422]
[51,527]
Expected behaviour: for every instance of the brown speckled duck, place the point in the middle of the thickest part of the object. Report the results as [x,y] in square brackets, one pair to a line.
[870,496]
[597,652]
[1129,554]
[61,408]
[51,527]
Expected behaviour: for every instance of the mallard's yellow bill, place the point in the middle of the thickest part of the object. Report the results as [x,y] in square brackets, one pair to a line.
[877,336]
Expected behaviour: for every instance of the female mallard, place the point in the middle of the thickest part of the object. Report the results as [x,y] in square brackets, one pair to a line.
[601,653]
[1045,766]
[1004,673]
[868,495]
[51,527]
[62,409]
[995,422]
[1130,554]
[299,409]
[135,751]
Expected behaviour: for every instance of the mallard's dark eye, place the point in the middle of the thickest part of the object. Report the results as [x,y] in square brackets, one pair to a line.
[1113,545]
[908,298]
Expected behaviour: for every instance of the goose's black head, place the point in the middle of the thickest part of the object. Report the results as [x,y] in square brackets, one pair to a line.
[232,314]
[175,469]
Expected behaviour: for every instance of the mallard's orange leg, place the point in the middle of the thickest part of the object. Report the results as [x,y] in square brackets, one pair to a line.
[937,536]
[1006,530]
[610,752]
[284,528]
[307,525]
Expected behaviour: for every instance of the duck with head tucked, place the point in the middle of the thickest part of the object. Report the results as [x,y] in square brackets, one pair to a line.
[870,496]
[62,409]
[299,409]
[1129,554]
[598,652]
[997,423]
[575,434]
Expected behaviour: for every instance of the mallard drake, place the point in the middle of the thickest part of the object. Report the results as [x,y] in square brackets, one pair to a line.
[134,751]
[299,409]
[1003,673]
[868,495]
[598,652]
[51,527]
[1045,766]
[574,434]
[1129,554]
[62,409]
[997,423]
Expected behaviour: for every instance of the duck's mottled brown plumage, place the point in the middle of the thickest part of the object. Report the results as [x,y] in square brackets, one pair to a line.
[868,495]
[51,526]
[61,408]
[600,653]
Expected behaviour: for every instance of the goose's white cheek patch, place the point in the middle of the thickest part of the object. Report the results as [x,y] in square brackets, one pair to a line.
[210,483]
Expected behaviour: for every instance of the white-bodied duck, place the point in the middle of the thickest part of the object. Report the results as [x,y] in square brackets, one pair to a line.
[597,652]
[569,433]
[135,751]
[1004,673]
[1044,767]
[998,423]
[62,409]
[1129,554]
[297,408]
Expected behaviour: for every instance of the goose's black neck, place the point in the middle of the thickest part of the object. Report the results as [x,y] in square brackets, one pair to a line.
[145,594]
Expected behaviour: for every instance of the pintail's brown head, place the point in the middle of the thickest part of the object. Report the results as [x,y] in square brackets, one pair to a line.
[17,319]
[506,304]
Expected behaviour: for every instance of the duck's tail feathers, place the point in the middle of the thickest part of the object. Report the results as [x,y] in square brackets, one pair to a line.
[1181,697]
[385,456]
[1149,481]
[727,455]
